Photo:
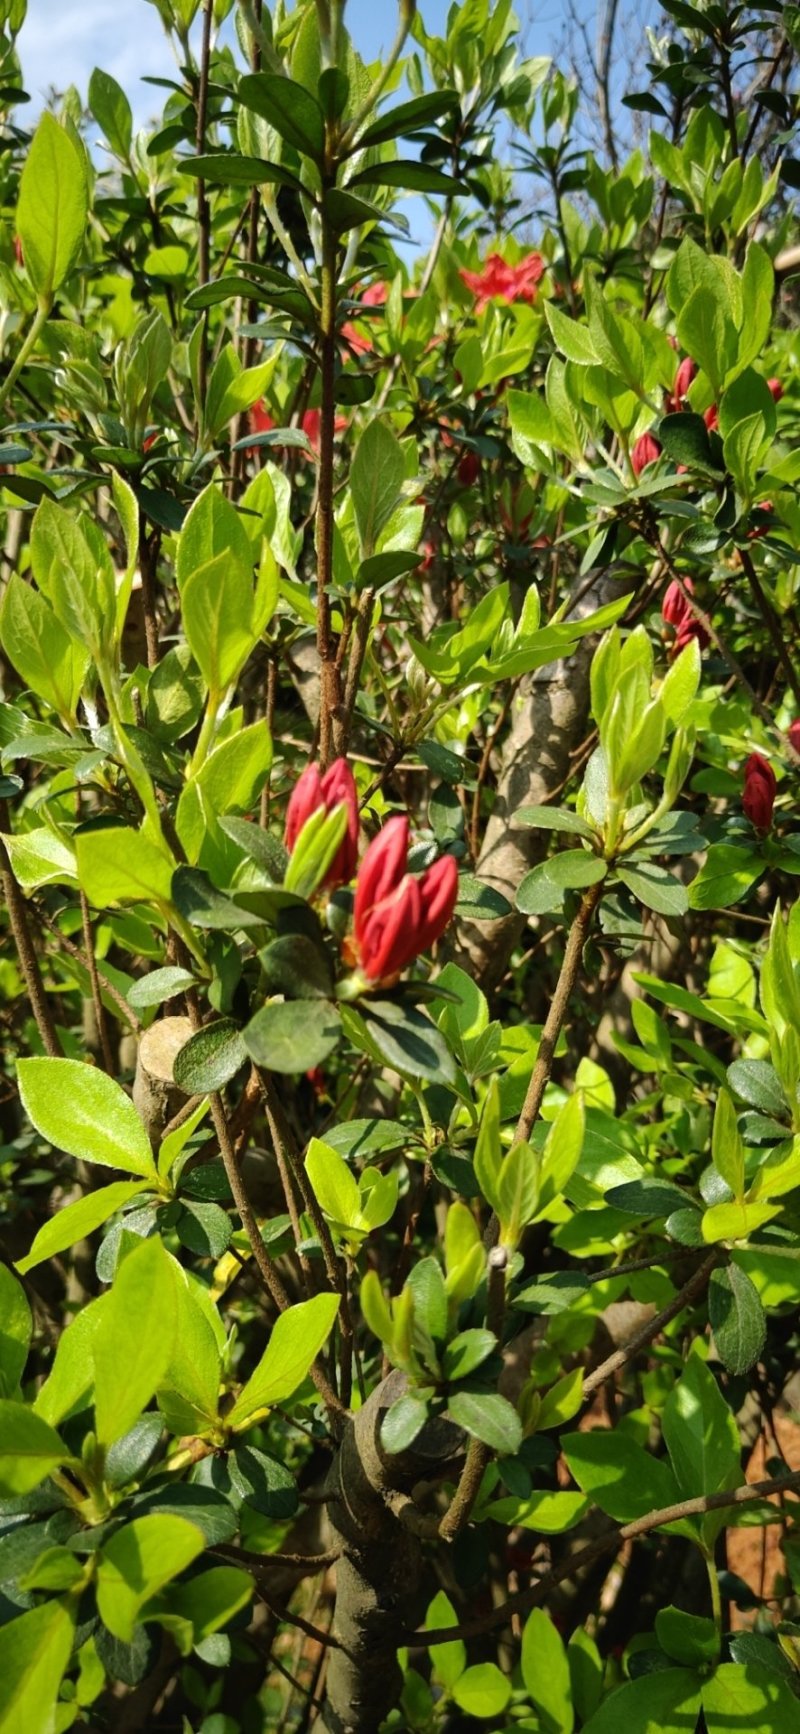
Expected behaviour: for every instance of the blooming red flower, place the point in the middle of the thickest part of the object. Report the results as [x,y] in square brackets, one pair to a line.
[775,386]
[499,281]
[312,791]
[758,796]
[683,379]
[645,451]
[396,915]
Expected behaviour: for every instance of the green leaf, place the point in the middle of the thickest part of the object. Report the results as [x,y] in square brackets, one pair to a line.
[133,1345]
[80,1110]
[292,1035]
[544,1513]
[701,1434]
[230,169]
[562,1401]
[663,1703]
[204,906]
[746,1696]
[449,1660]
[137,1562]
[402,1038]
[482,1691]
[376,480]
[571,337]
[217,604]
[291,110]
[586,1673]
[686,440]
[401,1423]
[34,1653]
[576,868]
[488,1417]
[119,865]
[209,1600]
[620,1476]
[687,1638]
[74,1221]
[655,888]
[52,208]
[297,1337]
[726,876]
[737,1319]
[29,1448]
[44,654]
[758,1084]
[334,1187]
[157,986]
[545,1670]
[39,858]
[210,1058]
[112,111]
[554,819]
[16,1326]
[467,1351]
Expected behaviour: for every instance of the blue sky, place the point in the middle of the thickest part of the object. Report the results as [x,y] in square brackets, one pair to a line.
[62,40]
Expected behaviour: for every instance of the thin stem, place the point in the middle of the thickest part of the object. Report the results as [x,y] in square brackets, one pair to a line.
[29,344]
[203,208]
[28,960]
[97,998]
[148,555]
[771,622]
[329,680]
[653,1328]
[558,1011]
[478,1455]
[716,1595]
[524,1600]
[367,107]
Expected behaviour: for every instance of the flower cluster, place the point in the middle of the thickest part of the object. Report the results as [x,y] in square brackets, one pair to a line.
[758,796]
[499,281]
[397,914]
[678,612]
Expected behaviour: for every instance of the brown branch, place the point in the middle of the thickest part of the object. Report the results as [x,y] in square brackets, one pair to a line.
[148,557]
[266,1267]
[307,1565]
[328,673]
[97,998]
[558,1011]
[771,622]
[282,1613]
[524,1600]
[26,952]
[203,208]
[654,1326]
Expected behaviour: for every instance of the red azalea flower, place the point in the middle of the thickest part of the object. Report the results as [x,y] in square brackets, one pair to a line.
[504,282]
[711,418]
[397,915]
[758,796]
[793,733]
[311,426]
[677,612]
[312,791]
[469,469]
[645,451]
[775,386]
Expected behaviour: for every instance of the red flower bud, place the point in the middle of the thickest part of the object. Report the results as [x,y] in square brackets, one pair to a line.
[711,418]
[758,796]
[645,451]
[760,519]
[793,733]
[675,608]
[469,469]
[336,788]
[397,916]
[776,388]
[686,373]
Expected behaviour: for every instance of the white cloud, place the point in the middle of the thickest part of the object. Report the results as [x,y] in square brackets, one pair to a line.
[62,40]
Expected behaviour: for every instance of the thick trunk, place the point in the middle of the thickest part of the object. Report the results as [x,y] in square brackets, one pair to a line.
[378,1577]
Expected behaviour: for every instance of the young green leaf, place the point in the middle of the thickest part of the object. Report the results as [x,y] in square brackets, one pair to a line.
[53,207]
[80,1110]
[297,1337]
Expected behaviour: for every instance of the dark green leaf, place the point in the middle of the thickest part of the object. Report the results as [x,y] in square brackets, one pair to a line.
[553,819]
[210,1058]
[259,846]
[228,169]
[685,438]
[646,1197]
[401,1424]
[736,1317]
[204,1229]
[293,1035]
[757,1083]
[199,902]
[295,966]
[488,1417]
[408,1041]
[656,889]
[292,110]
[479,902]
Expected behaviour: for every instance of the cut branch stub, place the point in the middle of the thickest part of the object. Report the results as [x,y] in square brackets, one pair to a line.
[156,1095]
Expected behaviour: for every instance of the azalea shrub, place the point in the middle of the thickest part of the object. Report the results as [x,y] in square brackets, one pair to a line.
[399,953]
